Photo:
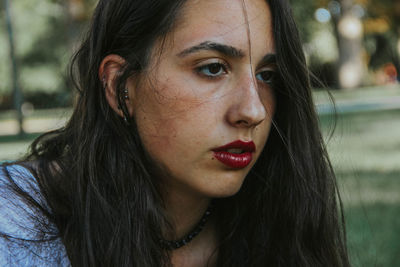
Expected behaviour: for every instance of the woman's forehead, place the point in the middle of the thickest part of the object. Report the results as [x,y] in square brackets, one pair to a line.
[237,23]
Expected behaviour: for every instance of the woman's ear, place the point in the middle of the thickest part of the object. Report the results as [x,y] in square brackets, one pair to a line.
[109,70]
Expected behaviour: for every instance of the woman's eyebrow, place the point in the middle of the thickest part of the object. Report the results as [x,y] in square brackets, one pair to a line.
[226,50]
[268,59]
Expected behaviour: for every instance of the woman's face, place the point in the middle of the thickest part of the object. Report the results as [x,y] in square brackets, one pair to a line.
[205,110]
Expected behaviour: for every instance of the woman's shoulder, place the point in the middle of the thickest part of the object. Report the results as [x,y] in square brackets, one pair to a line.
[16,179]
[20,198]
[27,236]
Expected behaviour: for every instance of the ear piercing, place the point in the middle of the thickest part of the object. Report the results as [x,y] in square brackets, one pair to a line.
[126,96]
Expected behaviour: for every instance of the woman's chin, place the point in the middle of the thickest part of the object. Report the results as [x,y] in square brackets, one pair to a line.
[224,187]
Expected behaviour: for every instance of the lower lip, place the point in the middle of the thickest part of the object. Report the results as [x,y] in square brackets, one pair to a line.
[232,160]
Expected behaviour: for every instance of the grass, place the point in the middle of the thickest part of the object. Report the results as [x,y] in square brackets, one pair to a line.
[373,234]
[365,152]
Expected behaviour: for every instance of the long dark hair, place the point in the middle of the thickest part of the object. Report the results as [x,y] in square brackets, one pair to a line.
[103,198]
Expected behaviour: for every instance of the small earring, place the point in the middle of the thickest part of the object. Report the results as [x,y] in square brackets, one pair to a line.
[126,96]
[125,119]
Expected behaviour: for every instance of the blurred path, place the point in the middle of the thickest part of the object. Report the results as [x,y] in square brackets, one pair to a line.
[360,100]
[346,106]
[11,146]
[31,125]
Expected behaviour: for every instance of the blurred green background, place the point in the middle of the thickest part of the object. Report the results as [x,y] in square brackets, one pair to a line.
[352,47]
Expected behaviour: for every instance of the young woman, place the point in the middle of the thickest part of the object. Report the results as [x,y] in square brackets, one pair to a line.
[194,142]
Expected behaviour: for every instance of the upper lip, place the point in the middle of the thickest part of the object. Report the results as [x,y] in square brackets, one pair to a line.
[247,146]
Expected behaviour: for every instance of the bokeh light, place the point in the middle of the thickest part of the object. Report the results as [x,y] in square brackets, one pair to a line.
[334,8]
[350,27]
[322,15]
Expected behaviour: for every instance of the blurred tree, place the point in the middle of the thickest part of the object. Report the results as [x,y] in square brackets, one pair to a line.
[46,33]
[16,93]
[349,35]
[380,31]
[303,12]
[79,12]
[383,30]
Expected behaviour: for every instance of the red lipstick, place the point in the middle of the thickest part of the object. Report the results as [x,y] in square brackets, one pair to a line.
[237,154]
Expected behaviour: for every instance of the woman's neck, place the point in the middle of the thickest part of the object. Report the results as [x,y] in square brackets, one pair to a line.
[184,211]
[184,208]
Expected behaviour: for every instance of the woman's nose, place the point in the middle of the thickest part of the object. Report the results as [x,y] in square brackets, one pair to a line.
[246,108]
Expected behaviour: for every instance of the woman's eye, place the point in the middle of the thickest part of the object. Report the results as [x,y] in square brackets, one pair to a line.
[266,76]
[212,70]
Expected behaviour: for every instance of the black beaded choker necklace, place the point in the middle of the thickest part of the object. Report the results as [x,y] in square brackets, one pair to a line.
[171,245]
